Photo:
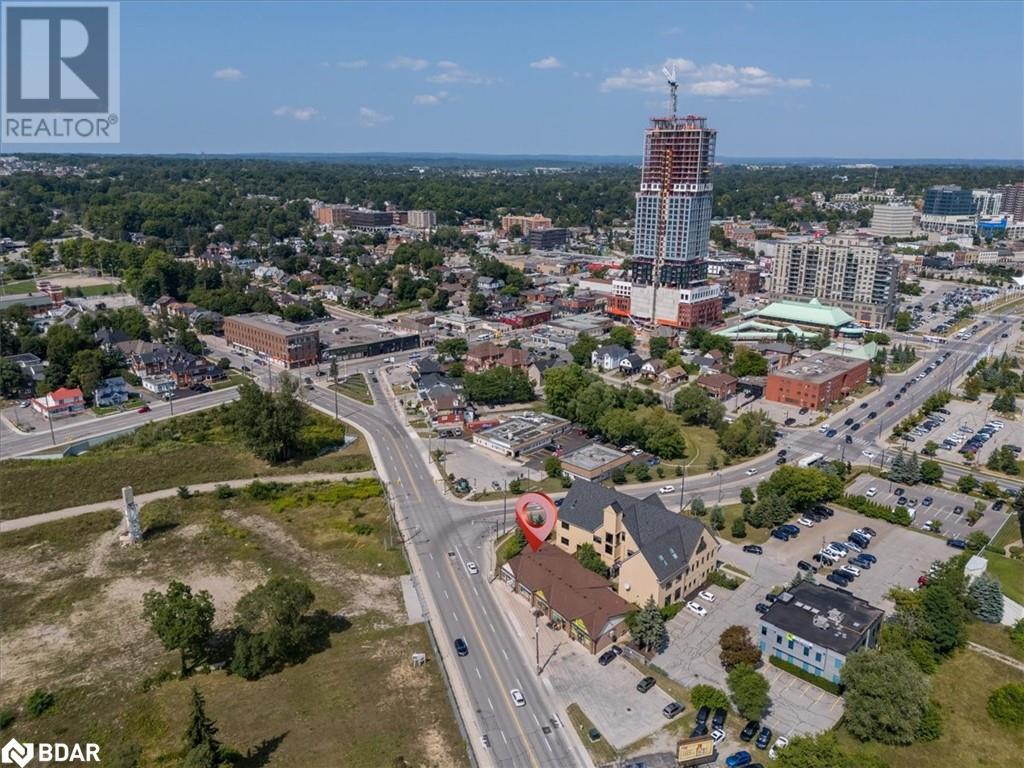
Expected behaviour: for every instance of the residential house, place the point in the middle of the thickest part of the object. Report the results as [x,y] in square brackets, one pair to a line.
[112,391]
[653,552]
[652,368]
[537,367]
[631,364]
[608,357]
[670,377]
[109,338]
[720,386]
[61,402]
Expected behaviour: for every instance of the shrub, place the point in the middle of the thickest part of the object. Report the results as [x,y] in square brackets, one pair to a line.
[184,492]
[739,528]
[38,702]
[708,696]
[1016,633]
[1006,705]
[669,612]
[868,508]
[224,492]
[930,727]
[721,579]
[810,677]
[7,717]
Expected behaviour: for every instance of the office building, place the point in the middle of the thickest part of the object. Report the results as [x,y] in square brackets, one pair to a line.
[655,552]
[816,382]
[848,272]
[526,224]
[422,219]
[1012,200]
[893,220]
[548,239]
[988,202]
[369,221]
[817,628]
[668,280]
[948,200]
[287,344]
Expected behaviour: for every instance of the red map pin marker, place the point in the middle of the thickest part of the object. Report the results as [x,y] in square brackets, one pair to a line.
[536,523]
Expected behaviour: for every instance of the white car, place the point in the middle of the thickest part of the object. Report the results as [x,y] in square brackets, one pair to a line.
[780,743]
[471,567]
[752,471]
[697,608]
[806,522]
[865,534]
[853,570]
[717,736]
[517,697]
[706,596]
[824,428]
[872,491]
[666,489]
[638,452]
[868,454]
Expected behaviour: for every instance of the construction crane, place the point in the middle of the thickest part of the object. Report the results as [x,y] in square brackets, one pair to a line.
[673,86]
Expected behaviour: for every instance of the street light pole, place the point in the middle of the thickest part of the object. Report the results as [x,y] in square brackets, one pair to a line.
[536,638]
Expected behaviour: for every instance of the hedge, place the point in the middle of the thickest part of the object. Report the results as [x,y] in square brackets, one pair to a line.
[826,685]
[868,508]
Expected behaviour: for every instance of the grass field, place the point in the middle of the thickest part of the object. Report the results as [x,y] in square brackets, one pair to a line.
[183,454]
[996,637]
[355,387]
[1010,573]
[71,598]
[1008,534]
[701,444]
[19,286]
[600,750]
[734,512]
[970,738]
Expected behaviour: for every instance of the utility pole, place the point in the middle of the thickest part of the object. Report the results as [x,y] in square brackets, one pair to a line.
[49,420]
[504,504]
[334,377]
[536,637]
[682,489]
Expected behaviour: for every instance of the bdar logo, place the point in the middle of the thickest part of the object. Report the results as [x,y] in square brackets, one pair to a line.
[16,752]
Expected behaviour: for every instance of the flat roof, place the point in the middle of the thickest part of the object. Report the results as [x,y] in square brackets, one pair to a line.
[592,457]
[272,323]
[826,617]
[363,333]
[523,428]
[819,368]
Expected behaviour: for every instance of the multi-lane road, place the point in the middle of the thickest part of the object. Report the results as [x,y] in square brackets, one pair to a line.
[442,535]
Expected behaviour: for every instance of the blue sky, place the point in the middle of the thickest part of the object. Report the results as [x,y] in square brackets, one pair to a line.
[861,79]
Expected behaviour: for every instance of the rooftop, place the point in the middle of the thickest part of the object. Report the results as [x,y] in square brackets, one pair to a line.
[592,457]
[826,617]
[811,312]
[819,368]
[272,323]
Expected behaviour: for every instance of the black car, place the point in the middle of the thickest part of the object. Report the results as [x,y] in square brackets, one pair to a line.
[780,461]
[869,558]
[699,730]
[460,647]
[869,531]
[838,579]
[927,501]
[792,530]
[764,738]
[855,427]
[849,439]
[803,565]
[762,608]
[771,597]
[958,510]
[899,492]
[718,720]
[783,452]
[872,415]
[848,422]
[645,685]
[997,505]
[606,658]
[702,715]
[780,534]
[753,549]
[750,730]
[863,405]
[889,404]
[830,433]
[956,543]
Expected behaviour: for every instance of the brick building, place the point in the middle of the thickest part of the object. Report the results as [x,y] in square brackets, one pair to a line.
[288,344]
[816,382]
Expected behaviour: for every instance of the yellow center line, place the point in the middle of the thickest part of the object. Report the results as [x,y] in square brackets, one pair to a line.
[490,663]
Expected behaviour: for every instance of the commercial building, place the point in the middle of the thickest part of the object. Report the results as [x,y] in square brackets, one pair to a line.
[594,462]
[288,344]
[1012,200]
[893,220]
[422,219]
[369,221]
[345,342]
[817,628]
[548,239]
[61,402]
[521,434]
[849,272]
[668,279]
[332,215]
[526,224]
[948,200]
[816,382]
[655,553]
[573,598]
[744,281]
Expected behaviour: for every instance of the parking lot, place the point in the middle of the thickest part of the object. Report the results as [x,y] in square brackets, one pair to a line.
[941,510]
[964,421]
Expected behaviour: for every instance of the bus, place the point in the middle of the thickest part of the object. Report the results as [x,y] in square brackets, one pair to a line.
[935,339]
[810,460]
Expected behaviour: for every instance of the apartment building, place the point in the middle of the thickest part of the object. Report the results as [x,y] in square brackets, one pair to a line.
[653,553]
[816,382]
[526,224]
[893,220]
[849,272]
[288,344]
[422,219]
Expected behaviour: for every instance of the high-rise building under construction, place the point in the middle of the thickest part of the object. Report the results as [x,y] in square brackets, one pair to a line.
[668,280]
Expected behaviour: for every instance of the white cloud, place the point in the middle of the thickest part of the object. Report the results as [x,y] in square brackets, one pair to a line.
[702,80]
[405,62]
[353,64]
[451,73]
[430,99]
[297,113]
[228,73]
[371,117]
[548,62]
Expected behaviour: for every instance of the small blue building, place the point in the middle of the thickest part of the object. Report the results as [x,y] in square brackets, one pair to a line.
[816,628]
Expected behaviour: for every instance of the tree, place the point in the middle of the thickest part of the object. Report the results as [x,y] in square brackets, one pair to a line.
[181,620]
[497,386]
[582,349]
[697,506]
[1016,633]
[10,378]
[972,388]
[823,751]
[717,518]
[478,304]
[562,384]
[454,349]
[704,695]
[270,423]
[201,746]
[987,595]
[649,626]
[966,483]
[944,617]
[931,472]
[1006,705]
[801,487]
[739,528]
[622,335]
[750,434]
[553,466]
[658,346]
[591,560]
[738,648]
[749,691]
[747,495]
[886,696]
[903,321]
[696,407]
[1003,460]
[748,362]
[1005,402]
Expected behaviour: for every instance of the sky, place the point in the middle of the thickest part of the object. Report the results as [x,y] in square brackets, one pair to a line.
[809,79]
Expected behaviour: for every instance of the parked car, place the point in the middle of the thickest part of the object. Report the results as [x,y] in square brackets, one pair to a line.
[762,608]
[872,491]
[606,658]
[956,543]
[696,608]
[780,743]
[803,565]
[852,570]
[717,736]
[672,709]
[753,549]
[780,534]
[868,558]
[645,685]
[702,715]
[864,564]
[594,735]
[764,738]
[738,759]
[700,729]
[806,522]
[749,730]
[706,596]
[460,647]
[718,721]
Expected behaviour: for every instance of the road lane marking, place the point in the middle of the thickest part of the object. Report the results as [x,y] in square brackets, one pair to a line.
[493,630]
[478,675]
[503,737]
[504,654]
[491,703]
[535,719]
[454,616]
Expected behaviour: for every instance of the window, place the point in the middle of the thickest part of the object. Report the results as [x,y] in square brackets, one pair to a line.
[764,630]
[790,644]
[607,549]
[778,639]
[817,657]
[564,541]
[807,651]
[565,526]
[839,663]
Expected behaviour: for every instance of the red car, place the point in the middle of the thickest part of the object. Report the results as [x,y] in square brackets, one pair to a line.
[922,580]
[143,409]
